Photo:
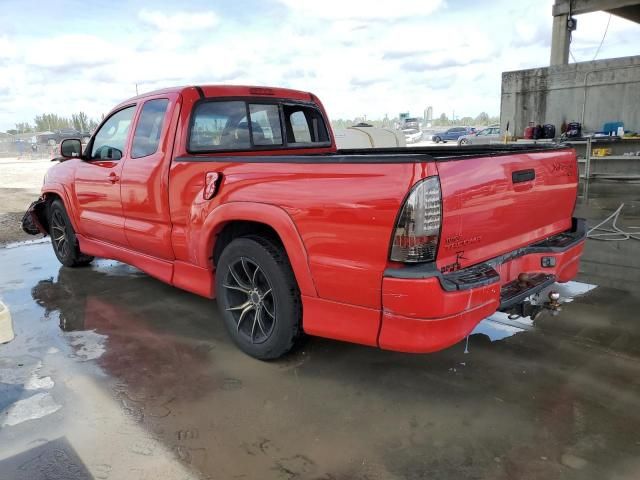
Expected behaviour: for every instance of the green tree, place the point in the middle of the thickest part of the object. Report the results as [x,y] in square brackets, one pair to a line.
[80,121]
[23,127]
[51,122]
[442,120]
[466,121]
[482,119]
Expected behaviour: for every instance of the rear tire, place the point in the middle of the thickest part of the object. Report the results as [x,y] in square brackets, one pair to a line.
[258,297]
[63,237]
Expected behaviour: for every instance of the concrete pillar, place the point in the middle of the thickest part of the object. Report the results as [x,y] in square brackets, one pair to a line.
[560,40]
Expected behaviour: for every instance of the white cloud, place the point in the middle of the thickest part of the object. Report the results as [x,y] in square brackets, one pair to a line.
[179,21]
[69,50]
[428,53]
[591,30]
[363,9]
[7,48]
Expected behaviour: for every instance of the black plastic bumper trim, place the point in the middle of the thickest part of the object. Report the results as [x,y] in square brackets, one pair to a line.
[31,223]
[484,273]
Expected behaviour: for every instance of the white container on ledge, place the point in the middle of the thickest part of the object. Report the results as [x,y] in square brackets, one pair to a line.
[6,326]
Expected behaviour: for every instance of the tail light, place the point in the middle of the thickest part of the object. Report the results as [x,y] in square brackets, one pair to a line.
[417,230]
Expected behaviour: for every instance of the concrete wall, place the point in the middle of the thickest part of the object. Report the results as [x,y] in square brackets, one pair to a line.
[587,92]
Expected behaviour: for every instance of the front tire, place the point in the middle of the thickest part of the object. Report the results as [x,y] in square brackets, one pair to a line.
[63,237]
[437,140]
[464,141]
[258,297]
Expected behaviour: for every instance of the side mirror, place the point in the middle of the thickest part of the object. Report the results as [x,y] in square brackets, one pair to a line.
[71,148]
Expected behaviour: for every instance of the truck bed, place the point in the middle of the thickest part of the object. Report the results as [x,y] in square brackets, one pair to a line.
[381,155]
[437,152]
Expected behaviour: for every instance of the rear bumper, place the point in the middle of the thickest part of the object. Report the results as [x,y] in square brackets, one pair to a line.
[425,310]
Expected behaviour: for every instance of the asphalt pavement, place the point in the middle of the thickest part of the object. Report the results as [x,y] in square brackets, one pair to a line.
[114,375]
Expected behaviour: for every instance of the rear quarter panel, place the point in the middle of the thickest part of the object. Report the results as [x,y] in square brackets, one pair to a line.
[344,214]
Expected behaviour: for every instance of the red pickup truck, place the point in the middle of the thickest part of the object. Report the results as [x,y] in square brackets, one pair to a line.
[239,193]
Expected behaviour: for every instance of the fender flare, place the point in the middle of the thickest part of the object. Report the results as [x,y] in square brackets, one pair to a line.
[59,190]
[270,215]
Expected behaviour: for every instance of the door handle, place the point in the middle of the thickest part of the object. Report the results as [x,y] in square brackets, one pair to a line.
[523,175]
[113,178]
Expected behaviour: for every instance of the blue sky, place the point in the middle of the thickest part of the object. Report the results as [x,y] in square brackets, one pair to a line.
[360,57]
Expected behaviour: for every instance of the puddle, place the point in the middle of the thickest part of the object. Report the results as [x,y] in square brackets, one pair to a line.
[23,243]
[499,326]
[36,406]
[25,393]
[87,345]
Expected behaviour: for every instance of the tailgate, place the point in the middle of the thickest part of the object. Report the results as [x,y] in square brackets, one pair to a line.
[495,204]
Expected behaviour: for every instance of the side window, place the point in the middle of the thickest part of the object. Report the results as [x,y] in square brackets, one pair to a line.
[219,126]
[110,140]
[265,124]
[304,125]
[147,134]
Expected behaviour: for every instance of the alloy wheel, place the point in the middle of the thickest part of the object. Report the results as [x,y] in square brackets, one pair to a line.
[249,298]
[59,234]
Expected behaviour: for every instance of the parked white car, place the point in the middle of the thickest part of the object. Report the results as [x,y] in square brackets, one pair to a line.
[483,137]
[412,135]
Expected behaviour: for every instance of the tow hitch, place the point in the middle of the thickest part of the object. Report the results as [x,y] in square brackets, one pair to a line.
[520,297]
[531,308]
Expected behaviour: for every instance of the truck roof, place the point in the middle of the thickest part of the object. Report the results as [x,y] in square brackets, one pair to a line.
[232,91]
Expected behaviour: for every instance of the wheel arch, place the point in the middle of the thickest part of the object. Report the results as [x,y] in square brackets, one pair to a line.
[53,192]
[235,219]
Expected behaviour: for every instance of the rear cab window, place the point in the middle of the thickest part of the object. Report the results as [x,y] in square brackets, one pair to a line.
[304,125]
[229,125]
[219,126]
[266,127]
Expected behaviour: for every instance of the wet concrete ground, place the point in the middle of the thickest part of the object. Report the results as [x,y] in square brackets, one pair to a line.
[114,375]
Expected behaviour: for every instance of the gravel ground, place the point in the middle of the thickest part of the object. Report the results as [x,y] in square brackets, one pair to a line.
[20,182]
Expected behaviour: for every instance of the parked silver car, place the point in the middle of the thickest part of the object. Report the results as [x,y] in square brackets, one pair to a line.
[485,136]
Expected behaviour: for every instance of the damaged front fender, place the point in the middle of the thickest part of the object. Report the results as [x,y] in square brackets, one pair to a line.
[34,220]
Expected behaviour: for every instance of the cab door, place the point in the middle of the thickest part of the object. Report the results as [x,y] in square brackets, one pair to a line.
[97,179]
[145,178]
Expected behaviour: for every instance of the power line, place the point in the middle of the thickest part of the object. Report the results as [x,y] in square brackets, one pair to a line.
[603,37]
